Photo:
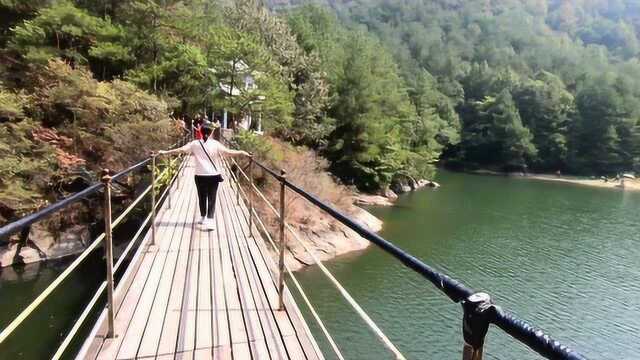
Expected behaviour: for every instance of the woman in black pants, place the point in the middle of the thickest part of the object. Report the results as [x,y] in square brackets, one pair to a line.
[208,175]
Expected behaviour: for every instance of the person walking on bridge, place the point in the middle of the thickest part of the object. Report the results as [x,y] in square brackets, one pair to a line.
[207,175]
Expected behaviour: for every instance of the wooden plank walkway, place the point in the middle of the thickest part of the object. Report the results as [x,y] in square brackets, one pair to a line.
[199,294]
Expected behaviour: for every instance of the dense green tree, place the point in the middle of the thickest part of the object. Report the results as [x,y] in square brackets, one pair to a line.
[365,148]
[602,116]
[66,31]
[383,128]
[494,131]
[546,108]
[543,52]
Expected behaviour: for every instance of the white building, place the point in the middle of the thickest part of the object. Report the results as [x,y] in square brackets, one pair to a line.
[245,85]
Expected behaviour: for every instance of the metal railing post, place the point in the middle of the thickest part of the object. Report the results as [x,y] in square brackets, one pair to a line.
[108,250]
[238,186]
[169,176]
[475,324]
[249,196]
[153,199]
[283,176]
[180,160]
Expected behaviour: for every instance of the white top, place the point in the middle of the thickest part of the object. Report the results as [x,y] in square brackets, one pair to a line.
[203,164]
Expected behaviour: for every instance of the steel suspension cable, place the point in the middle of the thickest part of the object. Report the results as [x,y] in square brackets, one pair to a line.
[7,331]
[87,310]
[302,293]
[345,294]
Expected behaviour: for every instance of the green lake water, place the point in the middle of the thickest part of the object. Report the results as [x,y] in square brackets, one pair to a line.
[41,333]
[562,256]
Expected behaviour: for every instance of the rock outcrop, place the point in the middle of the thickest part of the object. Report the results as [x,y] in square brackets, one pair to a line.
[41,245]
[403,184]
[372,200]
[329,240]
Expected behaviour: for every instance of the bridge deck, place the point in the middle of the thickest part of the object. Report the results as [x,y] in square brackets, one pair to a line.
[202,294]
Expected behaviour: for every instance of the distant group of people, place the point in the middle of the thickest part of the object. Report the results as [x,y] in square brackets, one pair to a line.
[195,126]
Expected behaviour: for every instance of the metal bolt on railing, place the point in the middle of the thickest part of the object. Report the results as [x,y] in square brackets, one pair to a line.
[283,177]
[108,250]
[475,324]
[153,199]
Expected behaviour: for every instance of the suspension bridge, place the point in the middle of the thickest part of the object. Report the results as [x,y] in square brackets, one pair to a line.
[185,292]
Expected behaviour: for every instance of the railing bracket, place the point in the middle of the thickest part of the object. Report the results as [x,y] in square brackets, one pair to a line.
[478,309]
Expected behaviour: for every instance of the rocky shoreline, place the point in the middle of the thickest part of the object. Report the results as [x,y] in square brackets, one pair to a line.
[41,245]
[330,240]
[619,184]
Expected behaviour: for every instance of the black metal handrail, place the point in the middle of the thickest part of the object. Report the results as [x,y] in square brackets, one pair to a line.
[30,219]
[106,238]
[479,310]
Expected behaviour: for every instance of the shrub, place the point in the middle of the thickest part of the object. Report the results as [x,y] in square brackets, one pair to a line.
[305,169]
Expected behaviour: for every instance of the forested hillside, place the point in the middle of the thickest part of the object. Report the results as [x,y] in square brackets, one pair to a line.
[89,84]
[383,89]
[548,85]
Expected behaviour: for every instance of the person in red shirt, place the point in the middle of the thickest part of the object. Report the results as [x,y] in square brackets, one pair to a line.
[198,130]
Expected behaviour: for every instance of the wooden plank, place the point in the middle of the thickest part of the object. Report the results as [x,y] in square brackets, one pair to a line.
[149,338]
[237,327]
[293,314]
[187,327]
[254,330]
[253,320]
[110,347]
[219,315]
[171,322]
[270,329]
[204,305]
[169,233]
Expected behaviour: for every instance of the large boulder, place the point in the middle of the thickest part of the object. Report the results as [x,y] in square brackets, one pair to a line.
[73,240]
[29,255]
[8,254]
[389,194]
[42,245]
[41,237]
[15,254]
[400,187]
[367,219]
[371,200]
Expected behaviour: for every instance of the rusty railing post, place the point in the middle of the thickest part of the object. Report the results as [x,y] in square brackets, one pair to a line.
[153,199]
[238,185]
[283,177]
[180,161]
[475,324]
[108,250]
[250,196]
[169,177]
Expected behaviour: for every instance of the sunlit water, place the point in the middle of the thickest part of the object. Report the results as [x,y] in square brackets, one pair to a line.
[564,257]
